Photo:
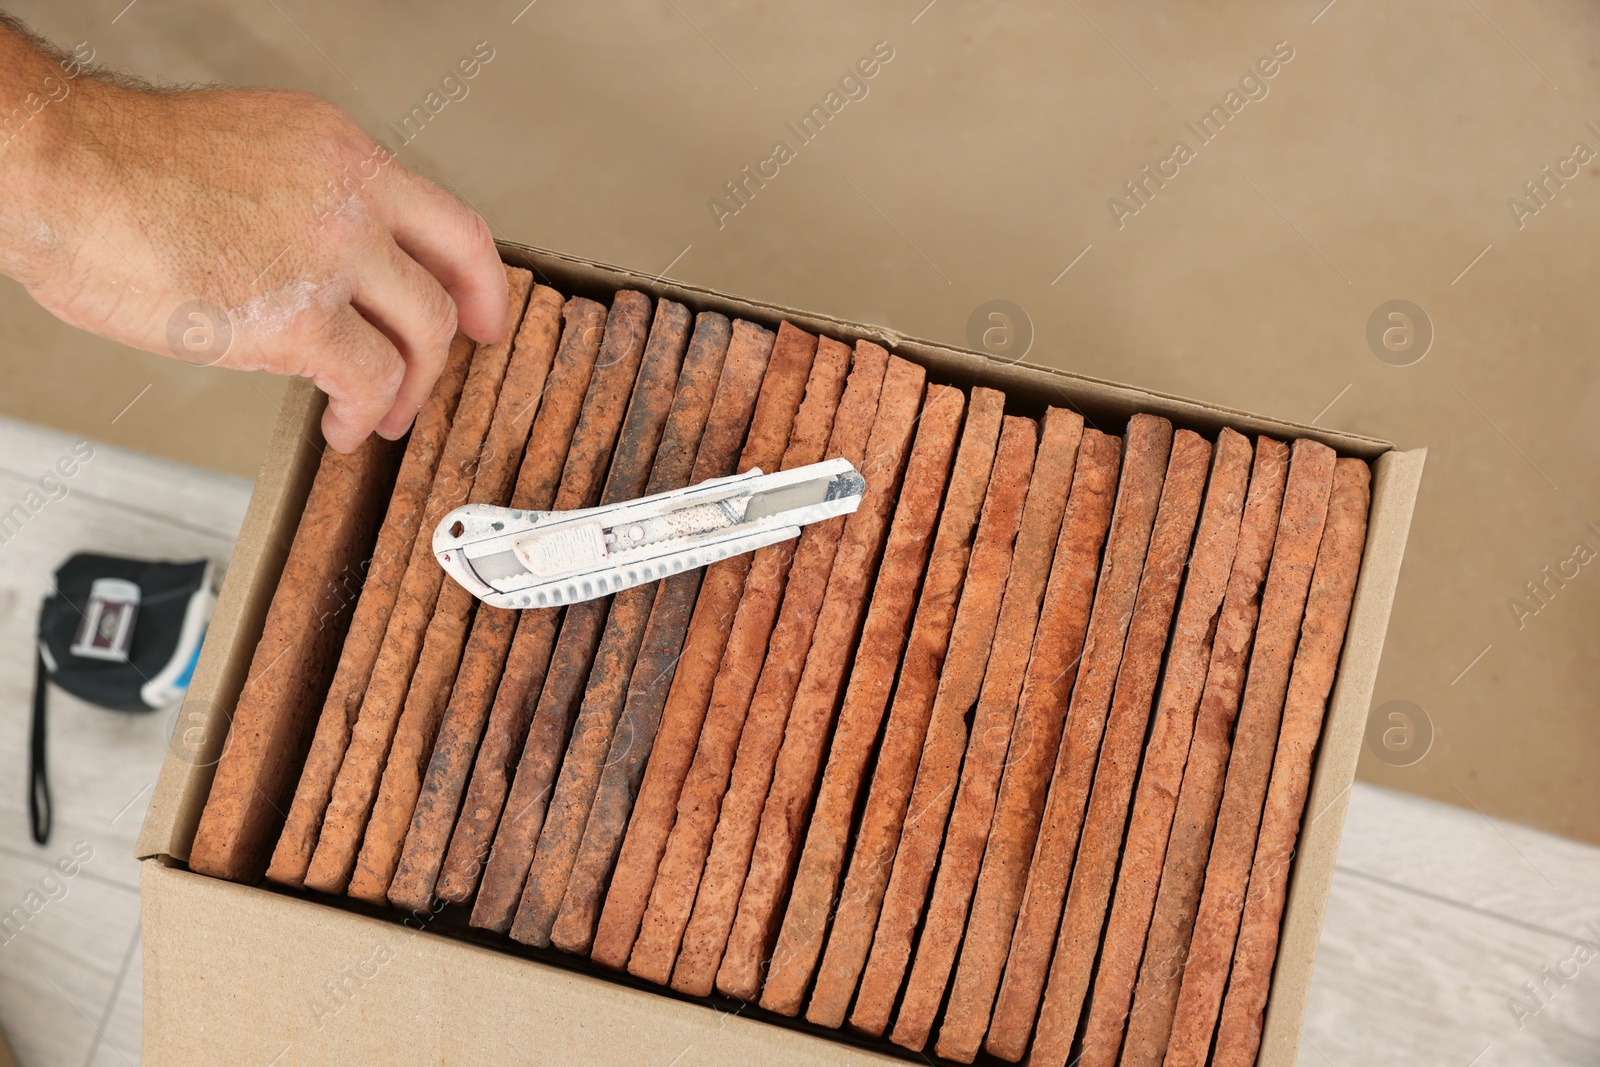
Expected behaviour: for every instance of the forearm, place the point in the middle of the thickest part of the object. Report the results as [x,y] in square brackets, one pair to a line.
[44,93]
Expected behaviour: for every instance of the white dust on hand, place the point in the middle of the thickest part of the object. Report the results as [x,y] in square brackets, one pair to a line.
[273,313]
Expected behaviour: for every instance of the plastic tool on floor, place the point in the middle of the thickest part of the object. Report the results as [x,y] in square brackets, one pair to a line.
[120,633]
[538,559]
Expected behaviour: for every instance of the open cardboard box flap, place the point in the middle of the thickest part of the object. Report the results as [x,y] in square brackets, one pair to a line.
[241,974]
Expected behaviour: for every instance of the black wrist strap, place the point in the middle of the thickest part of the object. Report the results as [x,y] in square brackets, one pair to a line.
[38,769]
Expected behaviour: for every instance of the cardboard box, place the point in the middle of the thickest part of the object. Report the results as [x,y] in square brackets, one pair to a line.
[241,974]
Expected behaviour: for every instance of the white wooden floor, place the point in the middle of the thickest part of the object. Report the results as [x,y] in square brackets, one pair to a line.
[1438,921]
[70,980]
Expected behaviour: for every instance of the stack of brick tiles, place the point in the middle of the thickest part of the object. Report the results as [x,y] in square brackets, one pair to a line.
[1010,762]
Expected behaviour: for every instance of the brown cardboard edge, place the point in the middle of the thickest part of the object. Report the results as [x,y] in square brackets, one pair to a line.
[269,524]
[1110,402]
[1396,478]
[374,991]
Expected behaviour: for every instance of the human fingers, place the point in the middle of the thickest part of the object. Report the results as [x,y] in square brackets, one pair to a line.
[453,243]
[411,309]
[360,370]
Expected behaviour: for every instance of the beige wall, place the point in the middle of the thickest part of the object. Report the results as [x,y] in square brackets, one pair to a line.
[979,165]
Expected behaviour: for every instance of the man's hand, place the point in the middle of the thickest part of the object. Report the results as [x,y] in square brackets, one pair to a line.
[256,229]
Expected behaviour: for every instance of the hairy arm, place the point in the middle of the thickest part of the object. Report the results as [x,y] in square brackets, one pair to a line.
[259,229]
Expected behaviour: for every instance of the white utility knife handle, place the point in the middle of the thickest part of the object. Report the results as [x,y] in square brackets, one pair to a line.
[536,559]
